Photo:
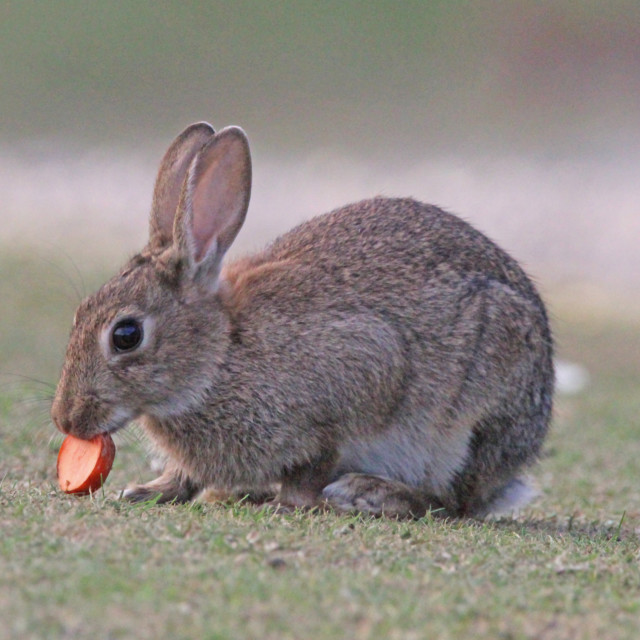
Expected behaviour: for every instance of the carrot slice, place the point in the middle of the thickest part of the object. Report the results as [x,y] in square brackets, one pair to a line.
[83,465]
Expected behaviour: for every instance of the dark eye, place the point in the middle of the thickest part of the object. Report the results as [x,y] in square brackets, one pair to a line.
[126,335]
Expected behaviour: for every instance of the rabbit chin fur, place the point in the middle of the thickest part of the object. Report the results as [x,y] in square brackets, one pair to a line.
[385,357]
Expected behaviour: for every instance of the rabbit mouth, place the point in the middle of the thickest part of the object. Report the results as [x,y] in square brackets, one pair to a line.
[119,418]
[84,421]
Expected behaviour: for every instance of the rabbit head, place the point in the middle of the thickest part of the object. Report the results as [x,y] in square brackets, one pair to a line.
[148,341]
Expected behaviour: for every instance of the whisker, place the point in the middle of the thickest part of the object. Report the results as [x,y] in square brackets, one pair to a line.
[80,293]
[34,402]
[56,437]
[29,393]
[83,292]
[132,435]
[21,376]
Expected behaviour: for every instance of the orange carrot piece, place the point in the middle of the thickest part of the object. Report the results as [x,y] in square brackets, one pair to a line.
[83,465]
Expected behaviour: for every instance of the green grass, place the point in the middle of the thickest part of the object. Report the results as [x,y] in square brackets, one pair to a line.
[99,568]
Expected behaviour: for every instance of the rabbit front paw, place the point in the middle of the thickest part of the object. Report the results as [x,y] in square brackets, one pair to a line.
[166,488]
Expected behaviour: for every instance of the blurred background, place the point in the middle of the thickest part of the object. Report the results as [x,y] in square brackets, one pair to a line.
[522,117]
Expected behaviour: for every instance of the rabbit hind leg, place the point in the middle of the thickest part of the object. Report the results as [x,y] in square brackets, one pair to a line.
[301,485]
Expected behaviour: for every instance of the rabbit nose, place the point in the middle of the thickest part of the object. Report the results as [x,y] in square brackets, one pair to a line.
[62,424]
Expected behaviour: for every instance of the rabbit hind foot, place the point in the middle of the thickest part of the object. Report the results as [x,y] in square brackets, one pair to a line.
[377,496]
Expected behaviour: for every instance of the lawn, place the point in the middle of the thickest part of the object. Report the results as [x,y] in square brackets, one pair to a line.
[568,567]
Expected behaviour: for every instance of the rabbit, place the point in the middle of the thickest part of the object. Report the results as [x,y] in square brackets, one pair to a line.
[384,358]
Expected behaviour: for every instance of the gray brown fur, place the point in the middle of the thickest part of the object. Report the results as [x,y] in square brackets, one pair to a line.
[385,357]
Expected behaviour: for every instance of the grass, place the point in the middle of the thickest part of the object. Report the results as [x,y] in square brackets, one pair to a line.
[97,567]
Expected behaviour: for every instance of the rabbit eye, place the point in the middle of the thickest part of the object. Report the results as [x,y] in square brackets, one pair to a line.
[126,335]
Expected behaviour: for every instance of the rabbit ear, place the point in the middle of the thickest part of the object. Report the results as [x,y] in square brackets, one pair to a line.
[214,201]
[170,178]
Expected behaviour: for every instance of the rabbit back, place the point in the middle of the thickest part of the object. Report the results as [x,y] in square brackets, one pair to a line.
[467,328]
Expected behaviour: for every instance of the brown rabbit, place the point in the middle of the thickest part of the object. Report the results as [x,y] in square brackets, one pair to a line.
[385,357]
